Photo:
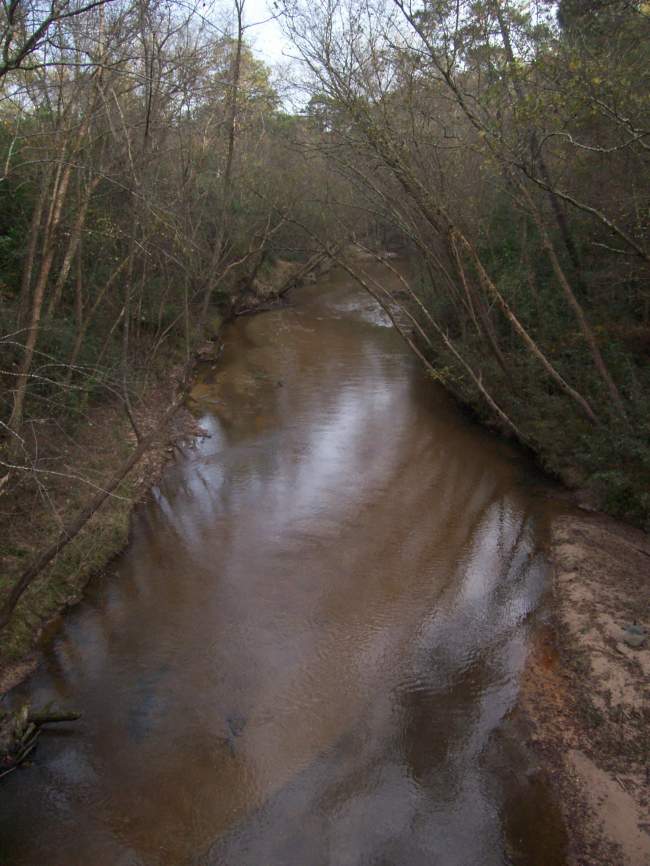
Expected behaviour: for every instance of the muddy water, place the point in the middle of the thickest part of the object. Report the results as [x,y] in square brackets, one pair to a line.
[307,652]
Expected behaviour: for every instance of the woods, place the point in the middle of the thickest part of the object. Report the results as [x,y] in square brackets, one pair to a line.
[154,172]
[506,146]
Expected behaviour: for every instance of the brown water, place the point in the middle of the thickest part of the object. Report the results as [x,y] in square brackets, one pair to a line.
[306,653]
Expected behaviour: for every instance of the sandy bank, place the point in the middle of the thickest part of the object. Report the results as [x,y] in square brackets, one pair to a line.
[585,693]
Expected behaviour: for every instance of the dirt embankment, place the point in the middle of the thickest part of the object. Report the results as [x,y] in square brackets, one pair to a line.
[585,693]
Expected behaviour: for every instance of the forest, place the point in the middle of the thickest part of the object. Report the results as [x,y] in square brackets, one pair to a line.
[157,178]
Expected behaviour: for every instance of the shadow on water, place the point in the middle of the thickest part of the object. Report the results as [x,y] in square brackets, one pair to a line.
[309,649]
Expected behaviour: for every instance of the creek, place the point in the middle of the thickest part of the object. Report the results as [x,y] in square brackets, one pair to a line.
[310,652]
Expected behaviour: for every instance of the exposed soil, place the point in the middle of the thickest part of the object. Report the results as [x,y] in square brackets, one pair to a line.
[585,691]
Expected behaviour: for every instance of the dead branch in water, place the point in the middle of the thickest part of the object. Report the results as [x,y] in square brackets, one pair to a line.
[20,730]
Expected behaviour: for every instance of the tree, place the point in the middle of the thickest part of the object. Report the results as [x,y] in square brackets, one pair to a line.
[25,29]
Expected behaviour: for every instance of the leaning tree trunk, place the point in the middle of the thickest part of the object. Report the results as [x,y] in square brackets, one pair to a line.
[386,306]
[58,199]
[526,338]
[73,245]
[574,304]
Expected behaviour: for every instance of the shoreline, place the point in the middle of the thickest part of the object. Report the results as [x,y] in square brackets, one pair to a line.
[114,519]
[582,702]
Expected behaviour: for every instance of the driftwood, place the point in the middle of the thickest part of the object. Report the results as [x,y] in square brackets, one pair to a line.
[295,279]
[264,307]
[298,276]
[20,730]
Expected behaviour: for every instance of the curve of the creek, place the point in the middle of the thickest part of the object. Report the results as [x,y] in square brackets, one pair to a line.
[310,650]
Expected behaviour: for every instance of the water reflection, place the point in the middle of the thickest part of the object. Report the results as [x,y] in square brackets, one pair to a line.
[316,630]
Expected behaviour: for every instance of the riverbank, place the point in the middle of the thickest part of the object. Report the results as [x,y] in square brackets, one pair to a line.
[31,514]
[584,694]
[33,511]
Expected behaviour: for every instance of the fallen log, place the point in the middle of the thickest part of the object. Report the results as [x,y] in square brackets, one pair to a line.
[20,730]
[303,272]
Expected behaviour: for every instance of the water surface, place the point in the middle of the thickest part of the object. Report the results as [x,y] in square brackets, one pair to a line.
[308,650]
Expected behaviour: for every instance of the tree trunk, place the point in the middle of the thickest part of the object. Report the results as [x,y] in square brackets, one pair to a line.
[16,419]
[526,338]
[222,229]
[575,305]
[73,244]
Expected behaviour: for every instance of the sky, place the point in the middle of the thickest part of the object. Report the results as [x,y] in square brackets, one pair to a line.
[268,41]
[270,45]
